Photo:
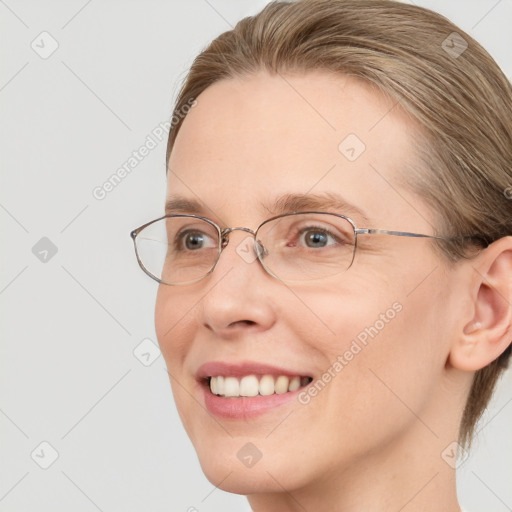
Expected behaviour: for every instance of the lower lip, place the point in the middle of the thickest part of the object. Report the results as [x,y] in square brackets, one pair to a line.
[240,408]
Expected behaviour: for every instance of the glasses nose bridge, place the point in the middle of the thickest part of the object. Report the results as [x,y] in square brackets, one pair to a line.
[226,232]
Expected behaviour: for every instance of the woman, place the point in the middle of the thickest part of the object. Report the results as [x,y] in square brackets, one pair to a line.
[336,256]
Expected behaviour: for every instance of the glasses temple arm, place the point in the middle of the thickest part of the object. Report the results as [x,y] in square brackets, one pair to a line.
[371,231]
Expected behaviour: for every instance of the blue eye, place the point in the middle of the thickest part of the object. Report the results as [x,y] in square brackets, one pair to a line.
[317,238]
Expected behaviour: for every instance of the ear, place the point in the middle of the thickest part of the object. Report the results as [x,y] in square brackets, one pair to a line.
[489,332]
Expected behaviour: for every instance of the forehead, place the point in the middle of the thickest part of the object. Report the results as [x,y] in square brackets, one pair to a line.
[250,141]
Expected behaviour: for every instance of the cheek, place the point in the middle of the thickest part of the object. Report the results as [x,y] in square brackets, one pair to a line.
[384,356]
[174,331]
[173,325]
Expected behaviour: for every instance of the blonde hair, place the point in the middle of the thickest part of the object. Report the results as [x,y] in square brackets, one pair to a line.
[458,96]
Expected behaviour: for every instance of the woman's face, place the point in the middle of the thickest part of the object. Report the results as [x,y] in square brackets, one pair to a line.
[374,339]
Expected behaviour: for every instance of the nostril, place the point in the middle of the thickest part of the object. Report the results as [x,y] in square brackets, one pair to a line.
[246,322]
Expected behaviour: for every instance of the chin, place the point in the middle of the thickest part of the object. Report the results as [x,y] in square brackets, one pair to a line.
[235,478]
[241,466]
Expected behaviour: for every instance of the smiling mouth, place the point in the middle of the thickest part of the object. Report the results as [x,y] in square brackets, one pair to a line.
[254,385]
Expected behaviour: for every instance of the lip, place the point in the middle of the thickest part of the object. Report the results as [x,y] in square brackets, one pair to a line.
[242,408]
[215,368]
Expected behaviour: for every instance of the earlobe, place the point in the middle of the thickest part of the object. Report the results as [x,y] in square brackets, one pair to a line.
[489,332]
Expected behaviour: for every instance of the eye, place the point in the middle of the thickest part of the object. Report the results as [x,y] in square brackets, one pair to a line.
[193,240]
[317,238]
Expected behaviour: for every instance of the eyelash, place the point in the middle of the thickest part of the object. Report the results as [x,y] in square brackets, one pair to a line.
[298,233]
[179,240]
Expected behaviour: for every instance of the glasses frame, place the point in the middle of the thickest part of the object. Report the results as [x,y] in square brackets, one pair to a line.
[223,239]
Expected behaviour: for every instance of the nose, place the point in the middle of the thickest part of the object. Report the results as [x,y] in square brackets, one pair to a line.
[240,297]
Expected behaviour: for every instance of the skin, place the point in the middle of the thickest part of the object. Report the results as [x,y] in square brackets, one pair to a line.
[372,439]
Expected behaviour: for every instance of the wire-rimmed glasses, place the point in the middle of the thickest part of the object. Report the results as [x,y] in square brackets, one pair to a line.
[293,247]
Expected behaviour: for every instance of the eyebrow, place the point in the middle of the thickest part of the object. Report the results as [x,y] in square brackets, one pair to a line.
[287,203]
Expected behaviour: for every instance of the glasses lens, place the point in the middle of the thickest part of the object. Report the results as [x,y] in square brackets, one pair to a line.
[178,250]
[301,247]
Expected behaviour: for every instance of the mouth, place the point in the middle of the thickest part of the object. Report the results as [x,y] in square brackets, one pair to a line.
[246,389]
[255,385]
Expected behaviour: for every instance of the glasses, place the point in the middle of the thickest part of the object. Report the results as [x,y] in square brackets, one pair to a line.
[294,247]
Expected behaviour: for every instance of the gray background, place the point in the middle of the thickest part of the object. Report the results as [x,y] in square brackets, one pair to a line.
[72,320]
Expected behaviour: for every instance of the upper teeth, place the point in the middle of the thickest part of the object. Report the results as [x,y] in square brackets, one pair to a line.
[251,385]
